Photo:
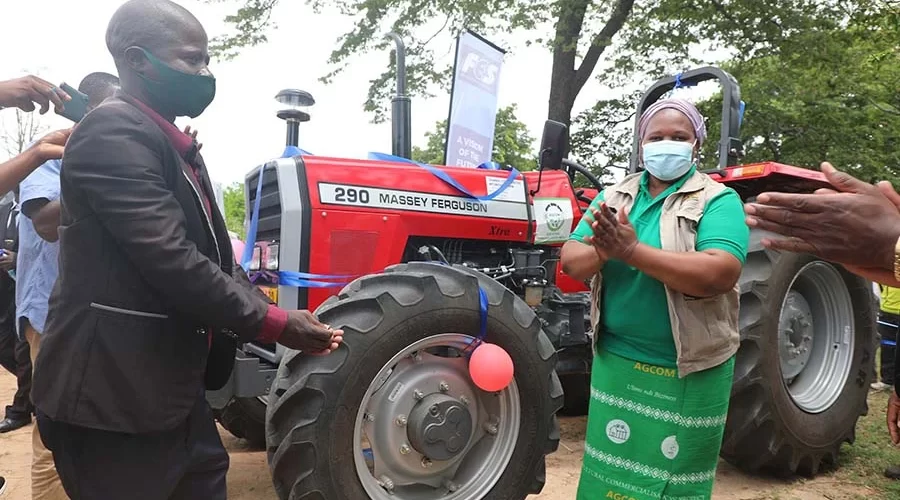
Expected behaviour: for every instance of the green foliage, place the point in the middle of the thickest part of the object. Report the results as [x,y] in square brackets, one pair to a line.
[838,103]
[512,143]
[234,208]
[632,38]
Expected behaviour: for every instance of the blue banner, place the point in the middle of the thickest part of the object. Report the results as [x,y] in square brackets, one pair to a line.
[473,101]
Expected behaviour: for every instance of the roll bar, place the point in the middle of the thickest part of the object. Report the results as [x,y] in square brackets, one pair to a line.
[730,145]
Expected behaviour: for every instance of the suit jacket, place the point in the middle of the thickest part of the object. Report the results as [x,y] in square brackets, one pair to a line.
[10,232]
[144,272]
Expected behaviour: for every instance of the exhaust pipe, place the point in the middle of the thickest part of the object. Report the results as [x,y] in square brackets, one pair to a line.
[401,119]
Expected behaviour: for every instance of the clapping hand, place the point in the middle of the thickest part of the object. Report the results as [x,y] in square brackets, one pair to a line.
[613,234]
[193,134]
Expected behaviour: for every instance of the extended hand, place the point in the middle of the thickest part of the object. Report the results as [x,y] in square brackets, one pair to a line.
[51,146]
[857,225]
[893,417]
[613,233]
[24,92]
[304,332]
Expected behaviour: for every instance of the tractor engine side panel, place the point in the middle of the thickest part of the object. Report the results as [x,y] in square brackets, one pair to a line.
[363,213]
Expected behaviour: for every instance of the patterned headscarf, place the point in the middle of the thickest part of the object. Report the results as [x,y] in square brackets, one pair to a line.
[686,107]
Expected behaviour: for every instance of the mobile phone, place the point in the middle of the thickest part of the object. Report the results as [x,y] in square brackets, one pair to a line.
[77,107]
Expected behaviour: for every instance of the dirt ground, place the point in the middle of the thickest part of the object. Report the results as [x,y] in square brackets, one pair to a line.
[248,477]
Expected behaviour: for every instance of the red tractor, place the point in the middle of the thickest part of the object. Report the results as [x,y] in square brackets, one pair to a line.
[394,414]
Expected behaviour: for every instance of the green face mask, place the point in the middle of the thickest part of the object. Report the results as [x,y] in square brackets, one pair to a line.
[177,92]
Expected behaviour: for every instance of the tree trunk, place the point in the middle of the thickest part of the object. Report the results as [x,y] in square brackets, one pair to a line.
[566,81]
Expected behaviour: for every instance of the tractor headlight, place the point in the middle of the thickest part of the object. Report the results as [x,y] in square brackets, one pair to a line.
[272,257]
[256,259]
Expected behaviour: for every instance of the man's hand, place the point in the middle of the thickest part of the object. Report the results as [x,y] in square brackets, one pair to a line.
[193,134]
[857,225]
[304,332]
[7,260]
[51,146]
[893,418]
[24,92]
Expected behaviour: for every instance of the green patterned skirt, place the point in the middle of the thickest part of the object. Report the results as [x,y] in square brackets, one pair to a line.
[651,435]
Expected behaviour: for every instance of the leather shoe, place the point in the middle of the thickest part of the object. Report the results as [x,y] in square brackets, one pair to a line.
[892,472]
[9,424]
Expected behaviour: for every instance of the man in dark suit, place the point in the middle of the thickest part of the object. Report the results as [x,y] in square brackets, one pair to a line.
[14,352]
[148,288]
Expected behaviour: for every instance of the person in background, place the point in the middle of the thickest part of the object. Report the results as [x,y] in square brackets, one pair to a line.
[38,269]
[888,326]
[23,93]
[667,245]
[14,351]
[855,224]
[149,303]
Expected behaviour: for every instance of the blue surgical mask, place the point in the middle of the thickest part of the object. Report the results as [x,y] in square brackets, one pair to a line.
[668,160]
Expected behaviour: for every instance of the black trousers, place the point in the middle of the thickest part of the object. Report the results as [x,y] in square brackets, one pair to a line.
[15,357]
[186,463]
[888,336]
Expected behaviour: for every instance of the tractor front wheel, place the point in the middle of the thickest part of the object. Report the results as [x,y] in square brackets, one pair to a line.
[393,414]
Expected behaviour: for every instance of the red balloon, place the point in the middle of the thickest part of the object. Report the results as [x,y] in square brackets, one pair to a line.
[491,368]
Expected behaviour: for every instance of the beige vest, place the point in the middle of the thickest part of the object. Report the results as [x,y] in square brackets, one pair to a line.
[705,330]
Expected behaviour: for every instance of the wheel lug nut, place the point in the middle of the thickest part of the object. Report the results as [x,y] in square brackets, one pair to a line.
[444,387]
[418,395]
[491,429]
[369,417]
[401,420]
[426,462]
[464,400]
[450,485]
[404,449]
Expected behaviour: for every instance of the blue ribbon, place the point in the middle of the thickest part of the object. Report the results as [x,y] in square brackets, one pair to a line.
[291,151]
[440,174]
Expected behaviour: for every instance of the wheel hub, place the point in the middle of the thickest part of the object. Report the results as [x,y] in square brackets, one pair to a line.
[796,330]
[439,427]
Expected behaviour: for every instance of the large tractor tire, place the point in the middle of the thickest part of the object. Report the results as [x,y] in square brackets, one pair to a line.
[393,414]
[803,369]
[245,418]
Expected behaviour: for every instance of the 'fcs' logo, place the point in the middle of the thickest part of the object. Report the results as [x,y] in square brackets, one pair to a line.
[481,69]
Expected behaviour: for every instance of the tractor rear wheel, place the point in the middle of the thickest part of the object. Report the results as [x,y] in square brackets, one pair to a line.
[245,418]
[393,414]
[802,373]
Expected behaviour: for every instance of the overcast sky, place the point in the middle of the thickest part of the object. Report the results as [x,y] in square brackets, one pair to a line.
[62,40]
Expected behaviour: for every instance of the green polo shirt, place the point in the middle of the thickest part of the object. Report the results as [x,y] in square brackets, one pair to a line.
[635,311]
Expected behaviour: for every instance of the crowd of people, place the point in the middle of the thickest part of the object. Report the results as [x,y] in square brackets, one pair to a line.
[111,226]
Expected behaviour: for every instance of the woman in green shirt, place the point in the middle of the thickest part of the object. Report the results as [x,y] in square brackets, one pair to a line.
[667,245]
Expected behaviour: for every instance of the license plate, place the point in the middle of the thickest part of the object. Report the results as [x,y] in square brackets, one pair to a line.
[271,292]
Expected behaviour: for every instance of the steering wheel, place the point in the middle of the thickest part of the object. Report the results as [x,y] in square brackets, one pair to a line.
[581,169]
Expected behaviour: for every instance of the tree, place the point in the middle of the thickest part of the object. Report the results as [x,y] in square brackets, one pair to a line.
[837,103]
[233,196]
[630,38]
[28,127]
[513,145]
